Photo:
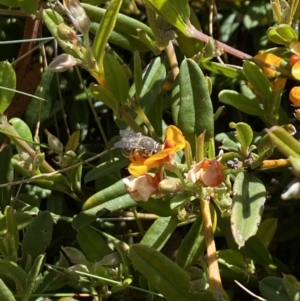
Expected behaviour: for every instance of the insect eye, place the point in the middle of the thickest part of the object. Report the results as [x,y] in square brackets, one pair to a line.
[148,144]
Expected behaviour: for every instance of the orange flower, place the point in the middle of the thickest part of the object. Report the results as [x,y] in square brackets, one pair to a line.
[174,142]
[270,59]
[295,96]
[208,172]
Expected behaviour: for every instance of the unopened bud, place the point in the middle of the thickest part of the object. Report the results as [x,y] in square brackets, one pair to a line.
[167,186]
[66,33]
[293,191]
[78,16]
[62,63]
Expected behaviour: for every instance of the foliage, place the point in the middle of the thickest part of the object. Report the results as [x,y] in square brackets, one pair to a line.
[201,201]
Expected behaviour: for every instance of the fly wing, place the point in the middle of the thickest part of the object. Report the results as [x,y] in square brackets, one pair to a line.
[129,140]
[128,144]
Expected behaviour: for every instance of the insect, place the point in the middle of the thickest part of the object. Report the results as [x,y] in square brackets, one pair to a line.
[135,143]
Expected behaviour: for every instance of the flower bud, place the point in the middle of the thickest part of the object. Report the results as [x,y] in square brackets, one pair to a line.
[293,191]
[62,63]
[78,16]
[66,33]
[168,186]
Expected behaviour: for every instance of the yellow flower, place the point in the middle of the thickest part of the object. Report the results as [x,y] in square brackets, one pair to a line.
[270,59]
[174,141]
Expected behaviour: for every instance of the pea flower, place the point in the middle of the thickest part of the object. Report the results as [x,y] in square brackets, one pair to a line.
[174,141]
[141,188]
[208,172]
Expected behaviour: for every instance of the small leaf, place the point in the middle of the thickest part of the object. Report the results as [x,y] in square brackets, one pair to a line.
[29,6]
[105,96]
[177,13]
[251,106]
[285,143]
[73,142]
[195,106]
[272,288]
[7,80]
[266,230]
[106,27]
[162,273]
[93,245]
[243,134]
[257,79]
[249,195]
[292,287]
[14,272]
[5,293]
[257,251]
[37,237]
[287,32]
[159,232]
[6,176]
[192,246]
[33,276]
[113,192]
[116,78]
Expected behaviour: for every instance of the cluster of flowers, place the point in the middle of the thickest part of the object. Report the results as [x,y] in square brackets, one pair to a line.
[141,185]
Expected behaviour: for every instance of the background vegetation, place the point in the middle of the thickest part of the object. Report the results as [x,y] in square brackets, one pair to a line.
[73,74]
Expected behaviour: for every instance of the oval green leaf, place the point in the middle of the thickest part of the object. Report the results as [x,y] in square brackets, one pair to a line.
[249,195]
[7,81]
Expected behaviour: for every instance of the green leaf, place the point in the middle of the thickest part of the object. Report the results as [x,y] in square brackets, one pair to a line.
[257,79]
[192,246]
[285,143]
[5,293]
[159,232]
[223,69]
[249,195]
[33,276]
[116,78]
[6,176]
[291,285]
[105,96]
[162,273]
[124,24]
[10,3]
[106,27]
[93,245]
[195,107]
[177,13]
[272,288]
[22,129]
[244,135]
[138,80]
[106,168]
[154,76]
[233,260]
[12,233]
[29,6]
[7,81]
[37,237]
[266,230]
[239,101]
[73,142]
[109,193]
[14,272]
[257,251]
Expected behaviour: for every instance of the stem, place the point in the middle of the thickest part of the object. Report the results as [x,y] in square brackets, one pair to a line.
[196,34]
[215,282]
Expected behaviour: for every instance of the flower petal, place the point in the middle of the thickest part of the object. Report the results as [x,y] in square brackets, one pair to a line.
[174,138]
[295,96]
